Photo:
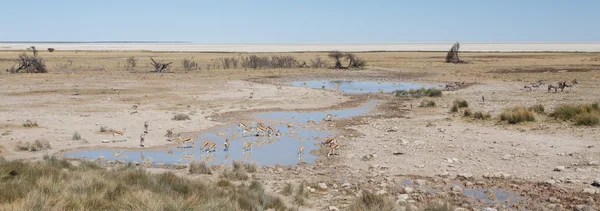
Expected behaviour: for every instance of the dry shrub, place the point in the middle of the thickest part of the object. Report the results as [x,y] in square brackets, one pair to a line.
[517,114]
[180,117]
[29,63]
[481,115]
[438,206]
[422,92]
[237,172]
[130,63]
[250,167]
[189,64]
[288,189]
[300,195]
[427,103]
[461,103]
[583,114]
[318,62]
[370,201]
[29,123]
[467,113]
[104,129]
[37,145]
[76,136]
[538,108]
[199,168]
[55,184]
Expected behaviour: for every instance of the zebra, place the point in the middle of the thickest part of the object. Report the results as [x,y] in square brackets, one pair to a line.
[564,84]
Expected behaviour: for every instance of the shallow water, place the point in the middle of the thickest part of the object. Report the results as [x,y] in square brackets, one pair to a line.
[266,150]
[500,196]
[360,86]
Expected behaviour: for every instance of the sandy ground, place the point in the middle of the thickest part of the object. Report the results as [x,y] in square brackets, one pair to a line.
[379,150]
[291,47]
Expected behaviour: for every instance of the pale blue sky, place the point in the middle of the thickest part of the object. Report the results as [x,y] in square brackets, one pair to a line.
[285,21]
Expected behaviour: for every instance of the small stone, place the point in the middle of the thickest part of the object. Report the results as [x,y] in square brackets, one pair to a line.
[456,189]
[460,209]
[333,208]
[559,168]
[553,200]
[374,155]
[489,209]
[467,176]
[420,182]
[408,190]
[596,182]
[549,182]
[322,186]
[591,190]
[402,197]
[346,185]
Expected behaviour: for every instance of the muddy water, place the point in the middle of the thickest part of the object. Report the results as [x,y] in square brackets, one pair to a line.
[296,129]
[357,87]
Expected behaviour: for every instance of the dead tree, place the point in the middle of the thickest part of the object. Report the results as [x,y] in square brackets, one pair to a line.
[452,56]
[29,63]
[159,67]
[336,55]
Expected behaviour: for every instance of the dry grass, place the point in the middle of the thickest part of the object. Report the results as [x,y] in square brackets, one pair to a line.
[236,172]
[288,189]
[37,145]
[55,184]
[199,168]
[29,123]
[76,136]
[481,115]
[427,103]
[181,117]
[583,114]
[538,108]
[370,201]
[517,114]
[422,92]
[301,195]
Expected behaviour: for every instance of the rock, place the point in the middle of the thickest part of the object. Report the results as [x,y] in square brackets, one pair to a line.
[596,182]
[402,197]
[467,176]
[397,153]
[346,185]
[333,208]
[408,190]
[460,209]
[580,207]
[549,182]
[279,170]
[591,190]
[559,168]
[456,189]
[468,184]
[369,157]
[489,209]
[553,200]
[322,186]
[381,192]
[420,182]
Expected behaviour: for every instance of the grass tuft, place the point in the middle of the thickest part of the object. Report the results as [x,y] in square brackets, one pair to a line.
[461,103]
[481,115]
[427,103]
[538,108]
[370,201]
[180,117]
[237,172]
[103,129]
[288,189]
[37,145]
[76,136]
[422,92]
[199,168]
[29,123]
[250,167]
[517,114]
[583,114]
[467,113]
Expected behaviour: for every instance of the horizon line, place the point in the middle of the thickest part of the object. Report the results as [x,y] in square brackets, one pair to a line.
[259,43]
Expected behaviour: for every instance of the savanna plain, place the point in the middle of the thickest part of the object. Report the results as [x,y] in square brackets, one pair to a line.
[491,135]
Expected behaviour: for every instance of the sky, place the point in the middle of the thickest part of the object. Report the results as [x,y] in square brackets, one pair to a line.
[301,21]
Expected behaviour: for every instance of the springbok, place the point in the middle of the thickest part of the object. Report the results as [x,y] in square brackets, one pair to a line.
[206,143]
[332,149]
[242,125]
[119,132]
[226,145]
[300,151]
[142,137]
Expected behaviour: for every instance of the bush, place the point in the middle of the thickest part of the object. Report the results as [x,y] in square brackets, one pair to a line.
[103,129]
[189,64]
[76,136]
[237,172]
[430,92]
[29,123]
[37,145]
[569,111]
[199,168]
[45,185]
[131,62]
[180,117]
[539,109]
[481,115]
[288,189]
[250,167]
[50,50]
[318,62]
[29,64]
[517,114]
[454,108]
[370,201]
[461,103]
[589,119]
[427,103]
[467,113]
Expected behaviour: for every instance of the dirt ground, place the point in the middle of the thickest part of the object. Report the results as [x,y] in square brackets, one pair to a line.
[549,163]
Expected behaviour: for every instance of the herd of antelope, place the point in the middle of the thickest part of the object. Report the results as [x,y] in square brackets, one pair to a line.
[559,85]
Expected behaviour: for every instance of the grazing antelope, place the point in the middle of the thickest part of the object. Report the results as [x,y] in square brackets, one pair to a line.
[564,84]
[246,131]
[260,124]
[329,117]
[261,131]
[271,131]
[300,151]
[332,149]
[119,132]
[330,141]
[247,146]
[226,145]
[205,144]
[145,126]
